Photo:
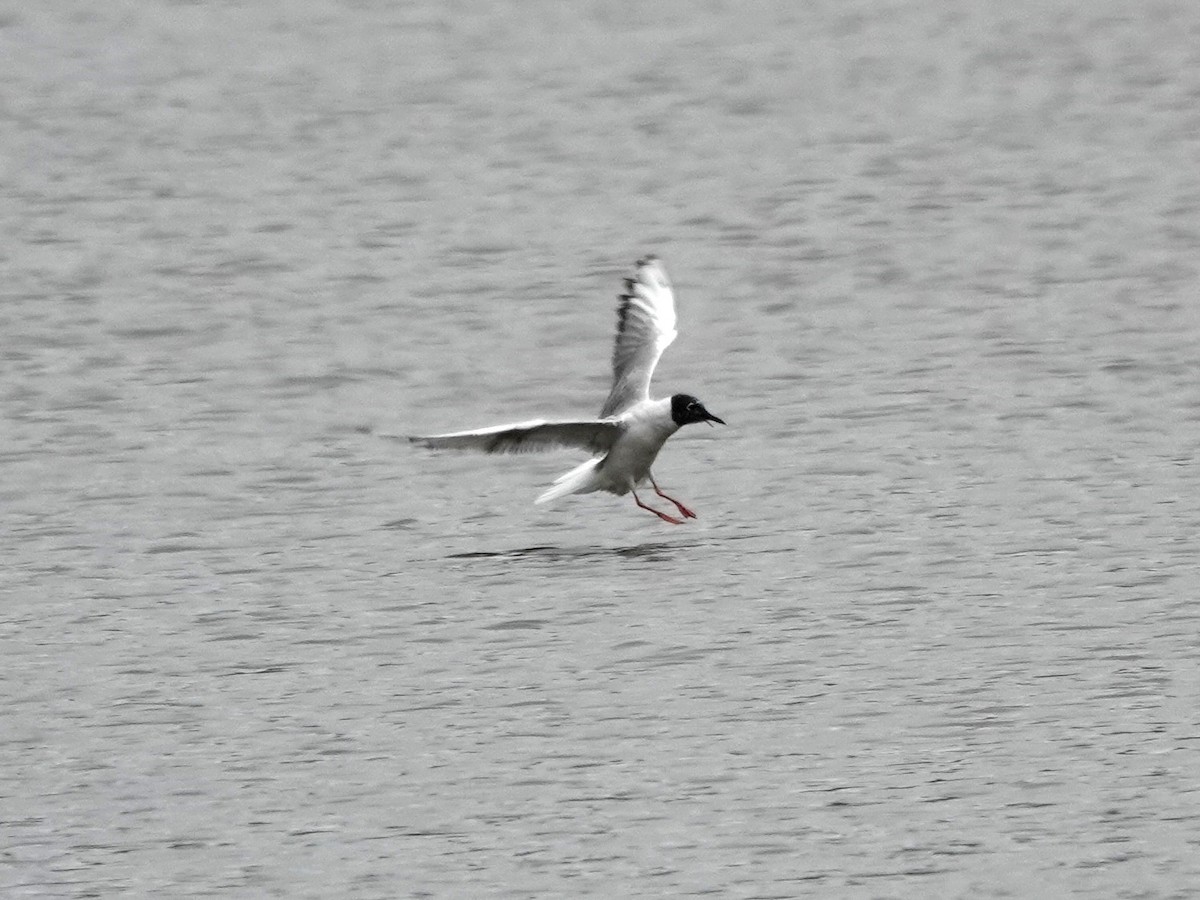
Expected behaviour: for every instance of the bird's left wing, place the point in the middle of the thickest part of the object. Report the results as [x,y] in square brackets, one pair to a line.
[645,327]
[595,435]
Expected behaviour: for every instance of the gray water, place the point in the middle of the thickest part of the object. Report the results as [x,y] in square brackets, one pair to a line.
[935,632]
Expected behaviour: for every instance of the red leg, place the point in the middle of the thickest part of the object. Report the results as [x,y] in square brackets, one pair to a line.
[687,513]
[661,515]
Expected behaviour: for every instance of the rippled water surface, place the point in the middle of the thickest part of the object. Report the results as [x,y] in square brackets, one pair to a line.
[935,631]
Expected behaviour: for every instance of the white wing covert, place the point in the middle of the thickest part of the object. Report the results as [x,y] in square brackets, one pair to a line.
[645,328]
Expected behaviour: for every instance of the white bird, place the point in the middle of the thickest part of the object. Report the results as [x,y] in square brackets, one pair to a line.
[631,428]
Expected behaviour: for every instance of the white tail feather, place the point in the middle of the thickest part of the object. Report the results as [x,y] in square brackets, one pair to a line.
[574,482]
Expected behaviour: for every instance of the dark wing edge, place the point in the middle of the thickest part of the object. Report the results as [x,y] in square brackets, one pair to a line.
[529,437]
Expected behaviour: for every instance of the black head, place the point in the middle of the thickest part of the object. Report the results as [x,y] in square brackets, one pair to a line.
[686,409]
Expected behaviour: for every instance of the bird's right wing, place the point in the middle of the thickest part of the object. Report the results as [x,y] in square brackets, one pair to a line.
[645,328]
[594,435]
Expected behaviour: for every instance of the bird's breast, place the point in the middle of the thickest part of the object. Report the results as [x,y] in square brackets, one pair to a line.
[630,459]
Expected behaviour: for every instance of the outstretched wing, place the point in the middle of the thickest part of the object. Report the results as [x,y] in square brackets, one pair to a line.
[645,328]
[594,435]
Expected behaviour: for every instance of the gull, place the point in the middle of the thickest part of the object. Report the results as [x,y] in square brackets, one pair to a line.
[631,428]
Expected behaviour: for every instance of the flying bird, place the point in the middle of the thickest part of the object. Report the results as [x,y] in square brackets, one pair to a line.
[631,428]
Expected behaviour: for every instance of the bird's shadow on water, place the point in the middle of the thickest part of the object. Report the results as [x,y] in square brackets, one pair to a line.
[549,553]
